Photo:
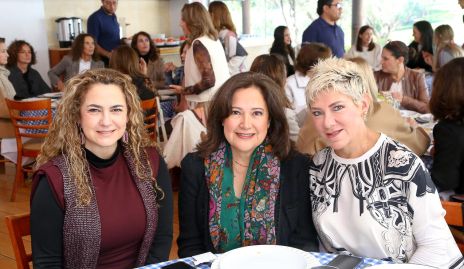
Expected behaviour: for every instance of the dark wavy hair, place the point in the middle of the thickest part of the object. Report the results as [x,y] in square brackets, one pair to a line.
[426,40]
[78,48]
[310,54]
[13,50]
[447,100]
[398,49]
[221,108]
[321,4]
[363,29]
[279,46]
[153,53]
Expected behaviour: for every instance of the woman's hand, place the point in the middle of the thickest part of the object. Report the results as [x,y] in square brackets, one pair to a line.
[143,66]
[60,85]
[169,67]
[176,88]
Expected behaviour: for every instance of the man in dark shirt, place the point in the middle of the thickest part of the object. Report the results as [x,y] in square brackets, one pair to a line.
[104,27]
[324,29]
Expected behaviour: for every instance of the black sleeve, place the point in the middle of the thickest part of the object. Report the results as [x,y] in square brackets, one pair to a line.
[446,169]
[191,236]
[304,236]
[161,246]
[46,228]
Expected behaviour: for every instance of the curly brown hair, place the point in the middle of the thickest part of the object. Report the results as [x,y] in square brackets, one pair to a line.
[64,135]
[153,53]
[78,48]
[221,108]
[13,50]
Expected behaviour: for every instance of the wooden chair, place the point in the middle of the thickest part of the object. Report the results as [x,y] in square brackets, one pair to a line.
[150,111]
[31,121]
[454,217]
[18,227]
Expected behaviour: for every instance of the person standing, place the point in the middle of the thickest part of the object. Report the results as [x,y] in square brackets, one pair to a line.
[104,27]
[325,29]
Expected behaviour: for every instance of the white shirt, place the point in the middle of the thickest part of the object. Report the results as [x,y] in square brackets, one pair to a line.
[382,204]
[84,65]
[372,57]
[295,90]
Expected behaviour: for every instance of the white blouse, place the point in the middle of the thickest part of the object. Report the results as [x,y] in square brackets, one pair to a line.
[372,57]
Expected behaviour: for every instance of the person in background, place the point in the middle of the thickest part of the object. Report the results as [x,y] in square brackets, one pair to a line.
[282,45]
[325,29]
[104,27]
[295,86]
[273,66]
[175,74]
[245,184]
[446,49]
[447,106]
[101,194]
[146,49]
[6,88]
[422,32]
[406,86]
[205,63]
[381,117]
[81,58]
[125,60]
[26,81]
[222,21]
[366,48]
[371,196]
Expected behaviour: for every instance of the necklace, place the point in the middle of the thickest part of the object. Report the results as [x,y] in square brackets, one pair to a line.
[239,163]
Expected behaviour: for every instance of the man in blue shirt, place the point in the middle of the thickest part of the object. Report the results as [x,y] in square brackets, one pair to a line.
[104,27]
[325,30]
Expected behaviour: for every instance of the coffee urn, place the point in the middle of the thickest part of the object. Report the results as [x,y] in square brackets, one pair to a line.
[65,31]
[77,26]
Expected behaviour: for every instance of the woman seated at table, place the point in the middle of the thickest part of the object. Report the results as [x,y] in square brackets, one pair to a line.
[245,184]
[273,66]
[381,117]
[101,195]
[149,54]
[282,45]
[366,48]
[371,196]
[124,59]
[446,105]
[26,81]
[406,86]
[81,58]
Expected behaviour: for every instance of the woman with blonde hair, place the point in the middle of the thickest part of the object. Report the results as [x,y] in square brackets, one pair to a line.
[223,23]
[101,194]
[205,63]
[446,49]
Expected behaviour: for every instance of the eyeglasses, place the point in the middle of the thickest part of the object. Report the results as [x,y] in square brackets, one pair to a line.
[338,5]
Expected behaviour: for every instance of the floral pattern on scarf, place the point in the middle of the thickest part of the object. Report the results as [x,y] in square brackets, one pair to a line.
[258,199]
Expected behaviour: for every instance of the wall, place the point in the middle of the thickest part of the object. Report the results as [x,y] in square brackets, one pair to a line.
[147,15]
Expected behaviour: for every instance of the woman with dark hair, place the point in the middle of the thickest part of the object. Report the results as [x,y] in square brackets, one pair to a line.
[422,32]
[125,60]
[149,53]
[406,86]
[366,48]
[283,45]
[447,106]
[81,58]
[101,194]
[26,81]
[245,184]
[309,54]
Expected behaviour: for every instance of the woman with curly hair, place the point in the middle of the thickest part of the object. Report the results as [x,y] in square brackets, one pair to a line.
[149,53]
[283,45]
[81,58]
[101,194]
[26,81]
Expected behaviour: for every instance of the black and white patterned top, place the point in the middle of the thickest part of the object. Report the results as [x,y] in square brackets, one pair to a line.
[382,204]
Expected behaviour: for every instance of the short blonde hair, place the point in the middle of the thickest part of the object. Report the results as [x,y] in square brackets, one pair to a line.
[336,75]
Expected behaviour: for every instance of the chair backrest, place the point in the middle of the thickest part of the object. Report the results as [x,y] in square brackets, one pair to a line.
[150,112]
[30,118]
[18,227]
[453,213]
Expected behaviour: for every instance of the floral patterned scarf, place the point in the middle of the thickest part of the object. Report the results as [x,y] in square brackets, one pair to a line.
[258,197]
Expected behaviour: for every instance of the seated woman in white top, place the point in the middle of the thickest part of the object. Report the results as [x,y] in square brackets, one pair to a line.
[371,196]
[81,58]
[295,86]
[366,48]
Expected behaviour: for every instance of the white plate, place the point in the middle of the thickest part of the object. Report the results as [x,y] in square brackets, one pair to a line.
[401,266]
[52,95]
[265,256]
[409,113]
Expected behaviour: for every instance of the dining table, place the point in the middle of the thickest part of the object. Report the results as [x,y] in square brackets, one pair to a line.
[323,257]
